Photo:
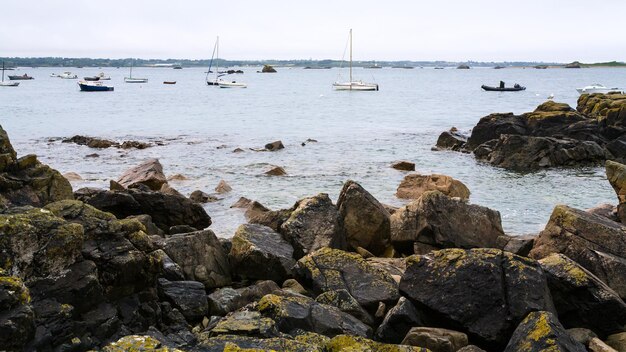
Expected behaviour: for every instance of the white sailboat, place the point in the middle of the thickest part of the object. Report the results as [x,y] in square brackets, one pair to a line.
[8,83]
[354,84]
[218,81]
[130,78]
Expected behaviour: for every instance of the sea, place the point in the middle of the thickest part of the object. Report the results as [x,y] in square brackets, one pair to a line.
[358,135]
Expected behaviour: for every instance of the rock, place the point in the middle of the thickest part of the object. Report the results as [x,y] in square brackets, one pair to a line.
[114,186]
[482,292]
[243,202]
[581,299]
[238,150]
[274,146]
[173,230]
[187,296]
[398,321]
[366,221]
[236,343]
[436,339]
[520,245]
[151,228]
[438,220]
[617,341]
[331,269]
[541,331]
[492,126]
[201,257]
[72,176]
[170,270]
[276,171]
[314,223]
[200,197]
[149,173]
[607,210]
[223,187]
[138,343]
[452,140]
[581,335]
[273,219]
[414,185]
[248,323]
[294,286]
[404,166]
[260,253]
[616,174]
[17,321]
[177,177]
[135,144]
[463,67]
[304,313]
[225,300]
[169,190]
[595,242]
[596,345]
[471,348]
[346,303]
[364,253]
[92,155]
[268,69]
[346,343]
[393,266]
[91,142]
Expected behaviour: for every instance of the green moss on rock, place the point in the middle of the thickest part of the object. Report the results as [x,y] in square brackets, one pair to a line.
[346,343]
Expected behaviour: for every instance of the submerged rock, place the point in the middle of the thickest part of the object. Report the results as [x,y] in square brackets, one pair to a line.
[414,185]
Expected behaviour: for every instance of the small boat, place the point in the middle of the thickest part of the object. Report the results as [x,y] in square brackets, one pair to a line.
[375,65]
[68,75]
[93,78]
[499,67]
[130,78]
[7,84]
[23,77]
[354,85]
[94,87]
[169,82]
[218,81]
[438,68]
[597,88]
[404,67]
[516,87]
[102,77]
[232,84]
[54,75]
[177,67]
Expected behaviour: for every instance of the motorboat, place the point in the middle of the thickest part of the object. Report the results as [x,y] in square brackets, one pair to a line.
[68,75]
[97,86]
[516,88]
[352,84]
[169,82]
[92,78]
[102,77]
[23,77]
[7,84]
[598,88]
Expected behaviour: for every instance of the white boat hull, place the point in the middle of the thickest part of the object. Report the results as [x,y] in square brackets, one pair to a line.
[225,84]
[135,80]
[598,90]
[9,84]
[356,86]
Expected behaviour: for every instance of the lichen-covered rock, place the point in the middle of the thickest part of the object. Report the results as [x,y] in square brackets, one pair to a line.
[17,318]
[248,323]
[201,257]
[149,173]
[225,300]
[346,343]
[595,242]
[435,339]
[398,321]
[414,185]
[299,312]
[260,253]
[541,331]
[268,69]
[581,299]
[235,343]
[483,292]
[188,297]
[346,303]
[138,343]
[333,269]
[314,223]
[616,174]
[440,221]
[365,220]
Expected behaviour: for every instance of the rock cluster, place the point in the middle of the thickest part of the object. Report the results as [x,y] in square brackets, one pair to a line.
[100,143]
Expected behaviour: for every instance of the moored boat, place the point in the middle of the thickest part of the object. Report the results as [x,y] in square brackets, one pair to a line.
[516,88]
[7,84]
[169,82]
[130,78]
[93,78]
[354,85]
[94,87]
[597,88]
[23,77]
[231,84]
[68,75]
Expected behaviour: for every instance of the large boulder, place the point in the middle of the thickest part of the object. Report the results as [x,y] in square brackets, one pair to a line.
[440,221]
[414,185]
[436,339]
[188,297]
[398,321]
[452,140]
[541,331]
[616,174]
[492,126]
[346,303]
[333,269]
[365,220]
[17,320]
[149,173]
[595,242]
[201,257]
[581,299]
[484,292]
[259,253]
[314,223]
[346,343]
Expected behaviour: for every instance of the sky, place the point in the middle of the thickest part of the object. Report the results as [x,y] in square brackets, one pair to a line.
[450,30]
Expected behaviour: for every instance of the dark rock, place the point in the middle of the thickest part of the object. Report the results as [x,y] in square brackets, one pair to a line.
[149,173]
[119,203]
[414,185]
[225,300]
[366,221]
[135,144]
[151,228]
[200,197]
[273,219]
[92,155]
[398,321]
[176,229]
[314,223]
[463,67]
[346,303]
[169,190]
[436,339]
[187,296]
[404,166]
[274,146]
[17,320]
[452,140]
[607,210]
[331,269]
[492,126]
[254,209]
[114,186]
[541,331]
[268,69]
[276,171]
[581,335]
[170,270]
[260,253]
[483,292]
[91,142]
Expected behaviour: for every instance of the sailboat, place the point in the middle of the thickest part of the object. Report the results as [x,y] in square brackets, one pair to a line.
[130,78]
[7,84]
[218,81]
[353,84]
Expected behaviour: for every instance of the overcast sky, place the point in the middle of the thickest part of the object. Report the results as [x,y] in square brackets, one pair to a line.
[482,30]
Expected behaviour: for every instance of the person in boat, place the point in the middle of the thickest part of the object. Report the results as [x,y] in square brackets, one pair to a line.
[501,84]
[516,85]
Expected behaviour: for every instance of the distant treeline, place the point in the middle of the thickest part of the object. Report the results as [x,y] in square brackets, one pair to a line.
[88,62]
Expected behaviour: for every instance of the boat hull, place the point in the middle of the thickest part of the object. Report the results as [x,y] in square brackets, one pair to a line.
[231,85]
[169,82]
[20,78]
[498,89]
[9,84]
[135,80]
[598,90]
[94,88]
[356,86]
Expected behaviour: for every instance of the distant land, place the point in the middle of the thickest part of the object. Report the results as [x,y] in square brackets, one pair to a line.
[90,62]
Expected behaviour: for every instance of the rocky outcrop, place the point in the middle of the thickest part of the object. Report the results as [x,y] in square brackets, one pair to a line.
[414,185]
[268,69]
[451,140]
[398,321]
[487,292]
[101,143]
[595,242]
[366,221]
[149,173]
[541,331]
[436,339]
[616,174]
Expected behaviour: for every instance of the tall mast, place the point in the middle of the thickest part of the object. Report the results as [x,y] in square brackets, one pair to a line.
[350,56]
[217,58]
[131,69]
[2,71]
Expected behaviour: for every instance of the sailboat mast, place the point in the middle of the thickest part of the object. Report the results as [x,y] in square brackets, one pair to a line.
[2,71]
[350,56]
[217,57]
[131,69]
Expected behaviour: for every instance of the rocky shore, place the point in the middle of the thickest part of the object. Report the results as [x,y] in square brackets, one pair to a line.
[137,268]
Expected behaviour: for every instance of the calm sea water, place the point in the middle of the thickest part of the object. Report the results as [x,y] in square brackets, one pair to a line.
[359,134]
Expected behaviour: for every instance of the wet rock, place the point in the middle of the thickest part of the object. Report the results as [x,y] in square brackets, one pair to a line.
[72,176]
[398,321]
[314,223]
[440,221]
[581,299]
[91,142]
[483,292]
[366,221]
[17,321]
[92,155]
[294,312]
[346,303]
[276,171]
[595,242]
[414,185]
[187,296]
[404,166]
[135,145]
[201,257]
[492,126]
[617,341]
[541,331]
[452,140]
[436,339]
[274,146]
[149,173]
[169,190]
[200,197]
[260,253]
[248,323]
[346,343]
[616,174]
[223,187]
[331,269]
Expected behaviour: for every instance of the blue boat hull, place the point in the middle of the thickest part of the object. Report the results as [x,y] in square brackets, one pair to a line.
[93,88]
